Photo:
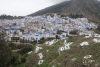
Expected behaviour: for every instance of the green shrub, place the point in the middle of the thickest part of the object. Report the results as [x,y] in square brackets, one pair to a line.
[25,50]
[42,40]
[57,37]
[5,52]
[74,32]
[14,60]
[98,30]
[20,46]
[23,60]
[76,16]
[12,46]
[59,32]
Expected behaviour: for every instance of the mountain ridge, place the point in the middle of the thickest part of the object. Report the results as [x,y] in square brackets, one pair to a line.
[89,8]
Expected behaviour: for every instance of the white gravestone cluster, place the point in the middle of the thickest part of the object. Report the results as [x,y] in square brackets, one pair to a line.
[47,50]
[96,35]
[89,35]
[96,40]
[40,55]
[84,43]
[37,49]
[30,52]
[87,56]
[85,62]
[40,62]
[66,46]
[52,42]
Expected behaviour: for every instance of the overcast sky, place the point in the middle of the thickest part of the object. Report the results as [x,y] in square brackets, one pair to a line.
[24,7]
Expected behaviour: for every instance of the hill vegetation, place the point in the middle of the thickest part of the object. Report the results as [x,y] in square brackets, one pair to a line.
[5,52]
[76,56]
[88,8]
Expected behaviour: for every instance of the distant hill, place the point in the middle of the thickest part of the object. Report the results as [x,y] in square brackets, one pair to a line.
[10,17]
[89,8]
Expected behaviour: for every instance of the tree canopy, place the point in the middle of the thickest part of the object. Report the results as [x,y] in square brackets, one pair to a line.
[5,52]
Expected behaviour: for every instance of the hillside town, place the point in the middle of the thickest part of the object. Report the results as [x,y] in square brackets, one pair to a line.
[34,28]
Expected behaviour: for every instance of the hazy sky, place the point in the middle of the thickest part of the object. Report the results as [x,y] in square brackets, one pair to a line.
[24,7]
